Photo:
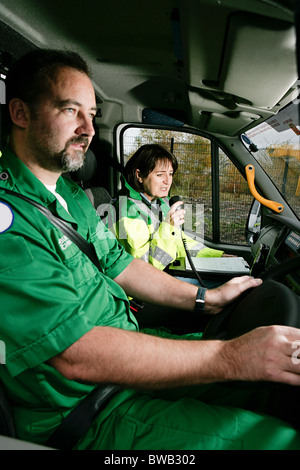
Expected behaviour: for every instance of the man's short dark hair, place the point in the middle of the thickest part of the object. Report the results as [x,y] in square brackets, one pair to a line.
[30,76]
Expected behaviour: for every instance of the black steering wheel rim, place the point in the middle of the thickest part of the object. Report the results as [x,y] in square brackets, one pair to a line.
[268,303]
[281,270]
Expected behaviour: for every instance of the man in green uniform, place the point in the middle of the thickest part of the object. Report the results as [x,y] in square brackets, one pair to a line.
[67,325]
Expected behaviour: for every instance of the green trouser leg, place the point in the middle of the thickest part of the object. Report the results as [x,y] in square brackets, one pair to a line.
[145,422]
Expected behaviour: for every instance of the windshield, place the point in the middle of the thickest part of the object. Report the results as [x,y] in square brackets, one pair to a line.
[275,144]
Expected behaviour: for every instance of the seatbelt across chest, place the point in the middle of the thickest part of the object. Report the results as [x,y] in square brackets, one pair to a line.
[64,227]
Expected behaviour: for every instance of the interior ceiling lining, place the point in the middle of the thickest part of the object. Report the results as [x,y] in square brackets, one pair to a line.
[209,79]
[225,124]
[221,45]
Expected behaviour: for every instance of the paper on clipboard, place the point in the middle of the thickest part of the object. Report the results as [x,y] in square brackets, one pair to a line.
[220,265]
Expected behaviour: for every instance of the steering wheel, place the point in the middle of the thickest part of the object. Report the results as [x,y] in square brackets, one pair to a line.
[272,303]
[277,272]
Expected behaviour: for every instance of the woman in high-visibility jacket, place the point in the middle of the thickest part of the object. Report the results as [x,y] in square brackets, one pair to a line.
[142,219]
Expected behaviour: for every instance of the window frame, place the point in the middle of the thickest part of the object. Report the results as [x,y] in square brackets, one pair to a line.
[215,145]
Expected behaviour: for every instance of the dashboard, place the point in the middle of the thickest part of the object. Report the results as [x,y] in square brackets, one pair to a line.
[292,241]
[276,251]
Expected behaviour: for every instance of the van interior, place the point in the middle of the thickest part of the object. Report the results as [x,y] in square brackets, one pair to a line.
[217,81]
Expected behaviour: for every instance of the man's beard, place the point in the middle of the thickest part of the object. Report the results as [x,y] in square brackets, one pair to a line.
[69,163]
[63,161]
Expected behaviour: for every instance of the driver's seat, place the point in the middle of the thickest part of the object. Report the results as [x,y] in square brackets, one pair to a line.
[7,427]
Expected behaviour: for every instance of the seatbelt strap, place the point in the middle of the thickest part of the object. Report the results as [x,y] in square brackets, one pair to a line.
[80,419]
[64,227]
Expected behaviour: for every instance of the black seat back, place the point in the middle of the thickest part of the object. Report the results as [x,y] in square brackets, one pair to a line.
[4,125]
[7,427]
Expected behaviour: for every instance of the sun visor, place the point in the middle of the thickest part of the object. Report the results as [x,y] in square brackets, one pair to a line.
[259,59]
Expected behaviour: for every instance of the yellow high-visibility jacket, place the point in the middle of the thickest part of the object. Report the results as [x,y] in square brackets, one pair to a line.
[141,228]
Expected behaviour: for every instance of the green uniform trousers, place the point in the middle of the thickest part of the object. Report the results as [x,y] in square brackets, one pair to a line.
[162,421]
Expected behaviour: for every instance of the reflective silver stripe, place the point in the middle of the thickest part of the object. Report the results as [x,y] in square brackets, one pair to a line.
[161,256]
[145,257]
[198,247]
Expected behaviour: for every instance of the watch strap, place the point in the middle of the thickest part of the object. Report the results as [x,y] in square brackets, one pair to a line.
[200,299]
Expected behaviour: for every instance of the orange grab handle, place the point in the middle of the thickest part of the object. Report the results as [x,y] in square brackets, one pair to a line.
[274,206]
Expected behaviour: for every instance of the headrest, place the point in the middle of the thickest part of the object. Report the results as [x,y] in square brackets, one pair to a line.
[86,172]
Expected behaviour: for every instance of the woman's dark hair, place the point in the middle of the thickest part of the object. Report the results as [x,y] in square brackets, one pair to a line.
[145,159]
[30,76]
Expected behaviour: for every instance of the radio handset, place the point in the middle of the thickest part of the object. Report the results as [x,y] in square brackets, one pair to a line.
[172,201]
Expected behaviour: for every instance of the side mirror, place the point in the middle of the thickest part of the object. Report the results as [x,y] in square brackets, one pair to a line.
[253,222]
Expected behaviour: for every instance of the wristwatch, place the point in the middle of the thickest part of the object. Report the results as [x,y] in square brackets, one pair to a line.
[200,302]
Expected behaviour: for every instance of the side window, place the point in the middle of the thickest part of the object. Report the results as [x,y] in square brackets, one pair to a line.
[209,184]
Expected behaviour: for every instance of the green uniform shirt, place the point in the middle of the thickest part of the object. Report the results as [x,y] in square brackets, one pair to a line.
[51,294]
